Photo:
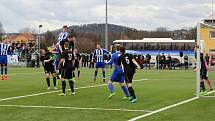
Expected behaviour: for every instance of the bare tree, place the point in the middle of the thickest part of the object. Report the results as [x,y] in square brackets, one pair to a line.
[49,38]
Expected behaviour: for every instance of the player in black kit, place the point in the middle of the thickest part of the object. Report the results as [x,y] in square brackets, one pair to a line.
[129,64]
[47,61]
[68,65]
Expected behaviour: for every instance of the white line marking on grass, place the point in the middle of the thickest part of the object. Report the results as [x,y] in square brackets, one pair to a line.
[24,73]
[165,108]
[162,109]
[75,108]
[43,93]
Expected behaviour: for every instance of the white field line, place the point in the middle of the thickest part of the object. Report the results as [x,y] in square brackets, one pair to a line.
[43,93]
[165,108]
[24,73]
[75,108]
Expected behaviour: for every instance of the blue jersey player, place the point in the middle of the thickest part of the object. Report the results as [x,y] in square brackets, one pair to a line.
[117,75]
[3,59]
[99,59]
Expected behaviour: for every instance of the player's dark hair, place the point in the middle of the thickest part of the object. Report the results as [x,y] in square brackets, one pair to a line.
[71,36]
[122,49]
[65,27]
[117,47]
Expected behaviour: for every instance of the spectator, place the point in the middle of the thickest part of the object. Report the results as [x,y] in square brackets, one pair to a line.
[169,62]
[186,62]
[163,61]
[158,58]
[148,59]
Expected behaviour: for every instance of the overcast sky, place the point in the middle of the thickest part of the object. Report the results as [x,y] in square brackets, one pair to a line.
[139,14]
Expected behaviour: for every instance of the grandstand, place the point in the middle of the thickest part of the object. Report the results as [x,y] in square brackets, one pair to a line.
[155,46]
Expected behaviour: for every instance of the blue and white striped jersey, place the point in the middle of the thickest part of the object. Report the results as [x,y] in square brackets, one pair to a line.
[62,36]
[99,55]
[4,49]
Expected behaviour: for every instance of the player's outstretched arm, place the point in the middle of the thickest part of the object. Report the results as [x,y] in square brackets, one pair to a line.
[110,62]
[135,62]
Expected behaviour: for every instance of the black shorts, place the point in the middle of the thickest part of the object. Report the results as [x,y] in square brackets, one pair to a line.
[204,75]
[129,77]
[67,73]
[49,69]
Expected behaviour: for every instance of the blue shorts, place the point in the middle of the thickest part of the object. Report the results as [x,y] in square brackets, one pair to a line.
[3,59]
[100,65]
[117,77]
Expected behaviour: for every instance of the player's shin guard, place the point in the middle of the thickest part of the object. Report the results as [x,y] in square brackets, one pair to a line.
[202,85]
[110,87]
[64,87]
[48,82]
[131,91]
[71,83]
[55,81]
[125,90]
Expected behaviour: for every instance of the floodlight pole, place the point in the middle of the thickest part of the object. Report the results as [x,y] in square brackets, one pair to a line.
[198,60]
[38,50]
[106,26]
[212,4]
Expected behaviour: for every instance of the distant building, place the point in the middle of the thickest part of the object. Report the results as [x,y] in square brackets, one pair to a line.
[207,34]
[23,38]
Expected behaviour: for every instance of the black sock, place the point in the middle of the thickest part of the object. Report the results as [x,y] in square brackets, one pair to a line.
[64,87]
[54,80]
[131,91]
[79,73]
[48,82]
[71,83]
[96,72]
[1,69]
[202,85]
[5,69]
[103,73]
[73,74]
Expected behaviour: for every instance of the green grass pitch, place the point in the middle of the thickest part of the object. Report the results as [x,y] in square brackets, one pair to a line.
[155,89]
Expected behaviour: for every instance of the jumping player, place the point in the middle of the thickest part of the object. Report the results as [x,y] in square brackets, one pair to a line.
[117,75]
[129,63]
[99,59]
[68,62]
[48,61]
[62,38]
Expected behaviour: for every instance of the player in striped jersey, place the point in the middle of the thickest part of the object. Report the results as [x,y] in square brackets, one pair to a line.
[59,48]
[62,38]
[99,59]
[3,59]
